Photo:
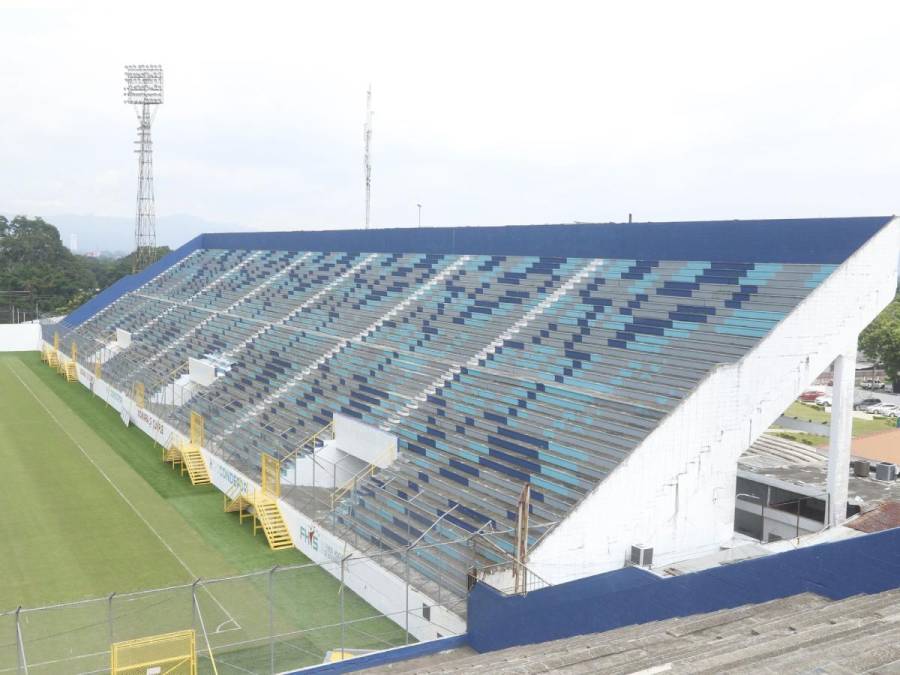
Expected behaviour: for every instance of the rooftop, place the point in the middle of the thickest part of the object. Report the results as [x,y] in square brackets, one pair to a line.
[799,634]
[805,470]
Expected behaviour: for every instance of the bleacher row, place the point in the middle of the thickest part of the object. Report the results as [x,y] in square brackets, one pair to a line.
[491,370]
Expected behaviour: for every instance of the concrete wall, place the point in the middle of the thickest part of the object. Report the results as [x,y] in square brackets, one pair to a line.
[20,337]
[634,596]
[676,491]
[365,442]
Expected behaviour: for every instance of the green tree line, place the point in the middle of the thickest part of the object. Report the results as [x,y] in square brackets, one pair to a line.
[880,341]
[41,277]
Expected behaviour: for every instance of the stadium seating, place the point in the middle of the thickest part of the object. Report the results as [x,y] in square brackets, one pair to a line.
[492,370]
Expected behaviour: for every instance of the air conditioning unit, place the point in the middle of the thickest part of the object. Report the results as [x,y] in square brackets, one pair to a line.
[642,555]
[885,471]
[861,468]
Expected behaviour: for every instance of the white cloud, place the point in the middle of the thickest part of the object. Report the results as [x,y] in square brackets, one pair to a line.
[488,113]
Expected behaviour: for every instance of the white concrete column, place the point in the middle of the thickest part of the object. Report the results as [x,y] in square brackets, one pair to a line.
[840,436]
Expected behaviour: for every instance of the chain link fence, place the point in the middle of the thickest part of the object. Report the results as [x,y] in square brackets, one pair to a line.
[269,621]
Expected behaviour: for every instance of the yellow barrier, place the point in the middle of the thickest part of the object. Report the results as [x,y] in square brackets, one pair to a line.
[137,394]
[172,653]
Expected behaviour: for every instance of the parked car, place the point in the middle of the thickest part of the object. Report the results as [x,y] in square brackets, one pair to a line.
[866,402]
[811,395]
[823,401]
[871,383]
[885,410]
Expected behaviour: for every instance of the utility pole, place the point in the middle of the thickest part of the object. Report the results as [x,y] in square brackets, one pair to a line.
[367,159]
[420,214]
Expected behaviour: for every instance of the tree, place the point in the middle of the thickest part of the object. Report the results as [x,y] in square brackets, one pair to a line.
[39,274]
[881,340]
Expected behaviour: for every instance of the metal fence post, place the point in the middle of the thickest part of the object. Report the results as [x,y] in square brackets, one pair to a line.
[109,617]
[195,608]
[271,621]
[406,580]
[343,627]
[20,647]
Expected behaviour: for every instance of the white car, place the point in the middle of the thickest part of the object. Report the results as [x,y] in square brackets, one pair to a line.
[886,410]
[824,401]
[873,409]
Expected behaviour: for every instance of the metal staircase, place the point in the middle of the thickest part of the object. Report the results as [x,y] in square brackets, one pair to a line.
[195,465]
[269,518]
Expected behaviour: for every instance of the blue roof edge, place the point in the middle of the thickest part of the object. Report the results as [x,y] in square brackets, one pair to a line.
[799,240]
[129,283]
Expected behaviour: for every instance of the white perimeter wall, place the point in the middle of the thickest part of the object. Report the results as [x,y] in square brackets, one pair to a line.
[676,491]
[368,443]
[385,591]
[20,337]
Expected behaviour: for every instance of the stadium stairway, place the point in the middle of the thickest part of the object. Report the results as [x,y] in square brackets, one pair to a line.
[268,513]
[190,457]
[493,370]
[195,465]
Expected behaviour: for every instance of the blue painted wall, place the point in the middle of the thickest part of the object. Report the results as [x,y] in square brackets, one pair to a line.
[805,240]
[809,240]
[867,564]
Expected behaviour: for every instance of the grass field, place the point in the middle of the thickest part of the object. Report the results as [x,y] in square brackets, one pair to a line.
[861,427]
[89,509]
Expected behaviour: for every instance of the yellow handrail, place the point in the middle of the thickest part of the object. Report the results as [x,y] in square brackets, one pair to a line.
[365,472]
[312,438]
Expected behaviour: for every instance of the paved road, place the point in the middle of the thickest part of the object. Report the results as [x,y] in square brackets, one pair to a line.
[860,394]
[802,425]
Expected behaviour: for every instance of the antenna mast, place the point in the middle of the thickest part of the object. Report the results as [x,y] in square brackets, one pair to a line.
[367,136]
[144,90]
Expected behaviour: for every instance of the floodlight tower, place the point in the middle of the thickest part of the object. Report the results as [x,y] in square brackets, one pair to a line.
[144,90]
[367,136]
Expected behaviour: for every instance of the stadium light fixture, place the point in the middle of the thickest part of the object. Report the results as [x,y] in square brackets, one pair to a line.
[143,84]
[144,90]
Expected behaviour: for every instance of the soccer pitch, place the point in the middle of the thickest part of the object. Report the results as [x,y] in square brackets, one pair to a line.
[90,510]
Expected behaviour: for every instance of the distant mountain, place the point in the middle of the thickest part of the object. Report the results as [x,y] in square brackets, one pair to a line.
[114,234]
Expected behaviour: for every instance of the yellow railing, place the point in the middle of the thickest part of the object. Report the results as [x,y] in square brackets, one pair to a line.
[310,441]
[367,471]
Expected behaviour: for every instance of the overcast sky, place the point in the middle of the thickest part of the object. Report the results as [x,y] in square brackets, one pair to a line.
[485,112]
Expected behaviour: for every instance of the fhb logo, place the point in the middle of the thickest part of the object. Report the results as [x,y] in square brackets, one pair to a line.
[310,537]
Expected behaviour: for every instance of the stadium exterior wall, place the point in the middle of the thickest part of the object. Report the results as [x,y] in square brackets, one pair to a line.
[634,596]
[379,587]
[676,491]
[20,337]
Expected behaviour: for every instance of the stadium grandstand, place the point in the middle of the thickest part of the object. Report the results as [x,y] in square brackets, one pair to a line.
[518,408]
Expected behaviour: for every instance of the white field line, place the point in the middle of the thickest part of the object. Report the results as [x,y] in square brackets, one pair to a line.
[121,494]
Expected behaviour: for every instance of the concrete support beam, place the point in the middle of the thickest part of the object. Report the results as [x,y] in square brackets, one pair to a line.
[840,436]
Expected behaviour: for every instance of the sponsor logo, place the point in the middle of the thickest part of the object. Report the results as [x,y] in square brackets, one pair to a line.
[310,537]
[115,399]
[230,478]
[155,425]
